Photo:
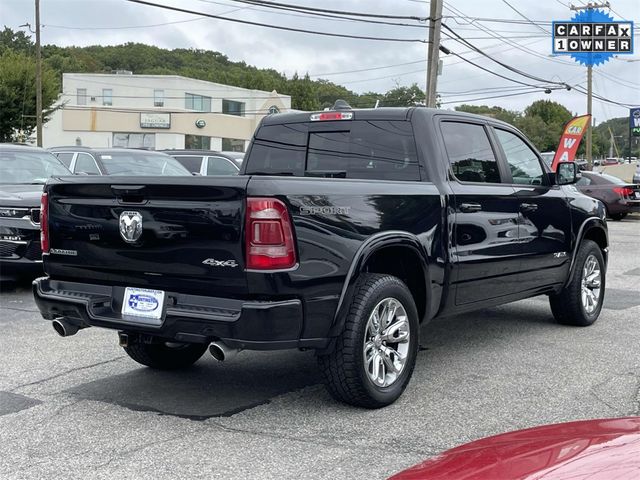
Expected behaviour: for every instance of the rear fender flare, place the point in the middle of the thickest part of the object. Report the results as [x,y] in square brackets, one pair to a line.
[372,245]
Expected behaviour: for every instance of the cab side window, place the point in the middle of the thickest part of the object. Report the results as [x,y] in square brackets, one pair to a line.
[523,162]
[86,164]
[193,163]
[65,157]
[221,166]
[470,153]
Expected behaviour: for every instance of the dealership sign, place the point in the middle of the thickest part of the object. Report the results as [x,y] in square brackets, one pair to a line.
[155,120]
[592,37]
[634,121]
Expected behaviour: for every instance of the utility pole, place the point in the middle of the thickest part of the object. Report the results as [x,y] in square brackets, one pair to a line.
[433,49]
[589,146]
[589,126]
[38,79]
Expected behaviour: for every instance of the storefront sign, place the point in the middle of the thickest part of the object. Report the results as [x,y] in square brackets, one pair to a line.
[155,120]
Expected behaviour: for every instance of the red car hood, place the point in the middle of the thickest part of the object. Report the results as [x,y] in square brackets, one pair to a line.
[594,449]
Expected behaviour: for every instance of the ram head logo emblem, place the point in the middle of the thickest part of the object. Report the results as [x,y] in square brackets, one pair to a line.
[130,226]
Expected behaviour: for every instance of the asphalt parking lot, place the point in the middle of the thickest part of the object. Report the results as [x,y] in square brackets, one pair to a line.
[78,407]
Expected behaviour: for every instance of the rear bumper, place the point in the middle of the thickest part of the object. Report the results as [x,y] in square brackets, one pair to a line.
[625,206]
[253,325]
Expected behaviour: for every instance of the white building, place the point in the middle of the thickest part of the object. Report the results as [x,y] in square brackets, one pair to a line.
[157,112]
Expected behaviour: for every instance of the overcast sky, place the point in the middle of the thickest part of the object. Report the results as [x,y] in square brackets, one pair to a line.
[528,48]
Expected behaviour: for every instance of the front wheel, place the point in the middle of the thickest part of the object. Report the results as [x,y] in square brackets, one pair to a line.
[166,355]
[580,301]
[618,216]
[374,357]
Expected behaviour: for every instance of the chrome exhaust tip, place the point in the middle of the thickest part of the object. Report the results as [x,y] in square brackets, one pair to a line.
[64,328]
[222,352]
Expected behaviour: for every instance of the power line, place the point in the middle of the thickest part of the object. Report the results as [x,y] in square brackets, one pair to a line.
[288,6]
[502,64]
[68,27]
[490,97]
[525,17]
[519,46]
[276,27]
[308,14]
[365,69]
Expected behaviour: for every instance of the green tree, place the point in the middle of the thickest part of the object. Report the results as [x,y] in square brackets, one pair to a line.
[16,41]
[18,95]
[404,96]
[498,113]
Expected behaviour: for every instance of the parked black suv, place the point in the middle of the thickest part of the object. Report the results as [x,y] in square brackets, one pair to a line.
[343,232]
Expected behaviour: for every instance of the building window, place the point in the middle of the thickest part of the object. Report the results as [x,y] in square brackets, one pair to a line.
[158,98]
[135,140]
[81,96]
[233,108]
[197,142]
[107,96]
[273,109]
[197,102]
[232,145]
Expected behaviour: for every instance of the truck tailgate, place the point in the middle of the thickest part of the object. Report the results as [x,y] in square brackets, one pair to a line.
[190,236]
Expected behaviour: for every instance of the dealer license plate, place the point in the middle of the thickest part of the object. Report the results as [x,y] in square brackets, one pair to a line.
[143,302]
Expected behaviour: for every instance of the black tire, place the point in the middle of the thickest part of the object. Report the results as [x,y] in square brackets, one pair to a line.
[344,369]
[567,306]
[618,216]
[166,357]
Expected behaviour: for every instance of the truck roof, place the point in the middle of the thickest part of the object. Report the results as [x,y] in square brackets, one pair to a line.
[383,113]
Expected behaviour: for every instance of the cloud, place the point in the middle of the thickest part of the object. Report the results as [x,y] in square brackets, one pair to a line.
[289,52]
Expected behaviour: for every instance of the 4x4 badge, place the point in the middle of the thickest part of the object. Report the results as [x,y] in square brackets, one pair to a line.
[212,262]
[130,226]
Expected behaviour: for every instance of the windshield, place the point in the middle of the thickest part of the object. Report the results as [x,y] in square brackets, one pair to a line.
[142,164]
[29,167]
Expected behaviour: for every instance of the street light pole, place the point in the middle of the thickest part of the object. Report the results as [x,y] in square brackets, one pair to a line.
[589,126]
[38,79]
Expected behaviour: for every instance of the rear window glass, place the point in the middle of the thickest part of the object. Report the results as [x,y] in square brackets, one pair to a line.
[381,150]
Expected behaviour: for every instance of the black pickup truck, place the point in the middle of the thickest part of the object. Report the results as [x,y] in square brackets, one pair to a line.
[345,230]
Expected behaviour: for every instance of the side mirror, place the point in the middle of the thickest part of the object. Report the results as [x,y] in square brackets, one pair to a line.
[567,173]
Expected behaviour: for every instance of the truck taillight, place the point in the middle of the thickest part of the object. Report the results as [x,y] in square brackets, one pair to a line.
[268,235]
[44,223]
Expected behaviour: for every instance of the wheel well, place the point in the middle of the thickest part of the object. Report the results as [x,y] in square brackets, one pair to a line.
[597,235]
[404,263]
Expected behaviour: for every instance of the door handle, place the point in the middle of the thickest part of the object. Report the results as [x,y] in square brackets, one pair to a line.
[470,207]
[528,207]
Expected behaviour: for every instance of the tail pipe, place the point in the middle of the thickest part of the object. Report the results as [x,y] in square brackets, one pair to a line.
[222,352]
[64,328]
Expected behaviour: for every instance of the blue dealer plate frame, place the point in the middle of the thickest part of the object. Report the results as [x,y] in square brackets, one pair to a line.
[143,302]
